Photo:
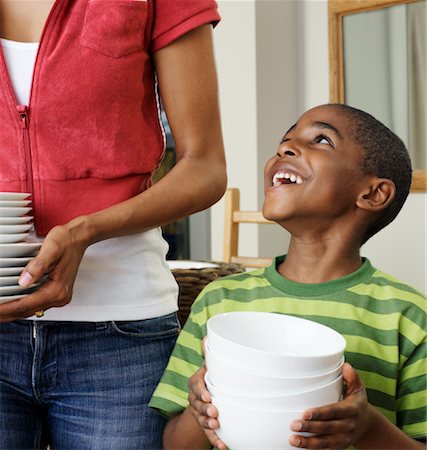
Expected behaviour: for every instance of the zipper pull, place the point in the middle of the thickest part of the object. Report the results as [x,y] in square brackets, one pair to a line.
[23,112]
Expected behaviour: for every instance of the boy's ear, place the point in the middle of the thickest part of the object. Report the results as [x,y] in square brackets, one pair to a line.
[377,195]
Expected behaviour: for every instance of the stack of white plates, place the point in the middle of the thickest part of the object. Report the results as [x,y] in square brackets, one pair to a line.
[16,250]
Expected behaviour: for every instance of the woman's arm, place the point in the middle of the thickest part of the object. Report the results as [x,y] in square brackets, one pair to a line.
[188,86]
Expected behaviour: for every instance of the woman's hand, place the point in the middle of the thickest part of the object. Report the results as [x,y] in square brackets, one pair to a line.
[202,409]
[59,256]
[338,425]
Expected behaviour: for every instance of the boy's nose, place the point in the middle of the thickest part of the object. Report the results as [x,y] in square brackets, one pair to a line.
[286,150]
[289,153]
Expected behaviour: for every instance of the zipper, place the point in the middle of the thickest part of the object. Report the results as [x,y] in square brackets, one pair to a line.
[23,110]
[34,330]
[24,120]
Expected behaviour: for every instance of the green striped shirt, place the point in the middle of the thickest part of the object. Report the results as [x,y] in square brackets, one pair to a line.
[382,320]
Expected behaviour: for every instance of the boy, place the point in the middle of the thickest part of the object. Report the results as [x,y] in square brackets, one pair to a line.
[339,176]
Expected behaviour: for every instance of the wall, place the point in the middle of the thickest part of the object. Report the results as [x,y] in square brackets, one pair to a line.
[235,42]
[272,59]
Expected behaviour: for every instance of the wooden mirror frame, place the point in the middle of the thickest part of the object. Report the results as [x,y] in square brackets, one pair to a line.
[337,9]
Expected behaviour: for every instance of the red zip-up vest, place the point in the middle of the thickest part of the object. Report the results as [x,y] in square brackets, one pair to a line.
[91,135]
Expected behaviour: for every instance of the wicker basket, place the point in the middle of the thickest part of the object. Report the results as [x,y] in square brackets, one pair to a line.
[192,281]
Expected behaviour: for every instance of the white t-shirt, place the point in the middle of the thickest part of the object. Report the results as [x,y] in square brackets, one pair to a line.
[20,58]
[123,278]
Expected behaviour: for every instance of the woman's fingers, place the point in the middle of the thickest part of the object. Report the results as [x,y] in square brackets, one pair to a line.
[50,294]
[52,249]
[22,308]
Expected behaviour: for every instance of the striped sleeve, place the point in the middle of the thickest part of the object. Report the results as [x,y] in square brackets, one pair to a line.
[171,394]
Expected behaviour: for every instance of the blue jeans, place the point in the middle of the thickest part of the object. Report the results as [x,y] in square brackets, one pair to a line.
[82,385]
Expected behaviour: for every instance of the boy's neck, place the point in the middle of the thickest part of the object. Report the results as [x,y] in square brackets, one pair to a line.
[318,262]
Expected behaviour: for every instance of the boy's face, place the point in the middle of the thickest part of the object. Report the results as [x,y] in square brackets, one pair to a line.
[316,174]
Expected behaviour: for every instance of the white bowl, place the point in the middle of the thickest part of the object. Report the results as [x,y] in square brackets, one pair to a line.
[275,344]
[320,396]
[233,378]
[244,428]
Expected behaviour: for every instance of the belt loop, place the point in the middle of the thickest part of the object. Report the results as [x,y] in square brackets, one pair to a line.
[100,326]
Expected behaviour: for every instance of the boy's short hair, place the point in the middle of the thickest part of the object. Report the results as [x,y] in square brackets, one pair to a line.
[386,156]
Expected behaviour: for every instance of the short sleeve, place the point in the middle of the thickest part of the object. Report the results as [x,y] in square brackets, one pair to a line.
[171,394]
[173,18]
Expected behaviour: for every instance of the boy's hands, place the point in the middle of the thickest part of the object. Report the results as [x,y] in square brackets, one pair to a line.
[202,409]
[338,425]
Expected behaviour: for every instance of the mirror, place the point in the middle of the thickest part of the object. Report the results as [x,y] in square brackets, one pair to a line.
[378,60]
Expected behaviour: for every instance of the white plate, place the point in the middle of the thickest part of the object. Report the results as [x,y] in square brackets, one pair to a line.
[15,262]
[10,271]
[11,290]
[12,238]
[14,229]
[14,195]
[9,298]
[15,220]
[14,212]
[175,264]
[9,281]
[19,249]
[14,203]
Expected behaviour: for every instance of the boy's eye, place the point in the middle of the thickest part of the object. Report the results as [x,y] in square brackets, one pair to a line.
[323,140]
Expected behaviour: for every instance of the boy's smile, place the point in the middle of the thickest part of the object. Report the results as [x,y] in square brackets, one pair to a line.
[316,172]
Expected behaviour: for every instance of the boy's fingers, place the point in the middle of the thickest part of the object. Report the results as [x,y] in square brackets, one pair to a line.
[201,407]
[204,344]
[353,382]
[206,422]
[324,427]
[335,411]
[197,385]
[214,440]
[325,441]
[219,444]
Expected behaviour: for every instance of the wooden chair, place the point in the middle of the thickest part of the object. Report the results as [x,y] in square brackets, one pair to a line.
[233,217]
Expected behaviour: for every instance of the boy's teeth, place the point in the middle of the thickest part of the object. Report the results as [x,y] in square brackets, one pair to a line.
[279,176]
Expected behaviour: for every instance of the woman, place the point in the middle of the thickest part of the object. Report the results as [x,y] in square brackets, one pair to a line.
[83,136]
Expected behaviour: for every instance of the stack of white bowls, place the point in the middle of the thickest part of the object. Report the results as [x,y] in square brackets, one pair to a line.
[264,370]
[16,250]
